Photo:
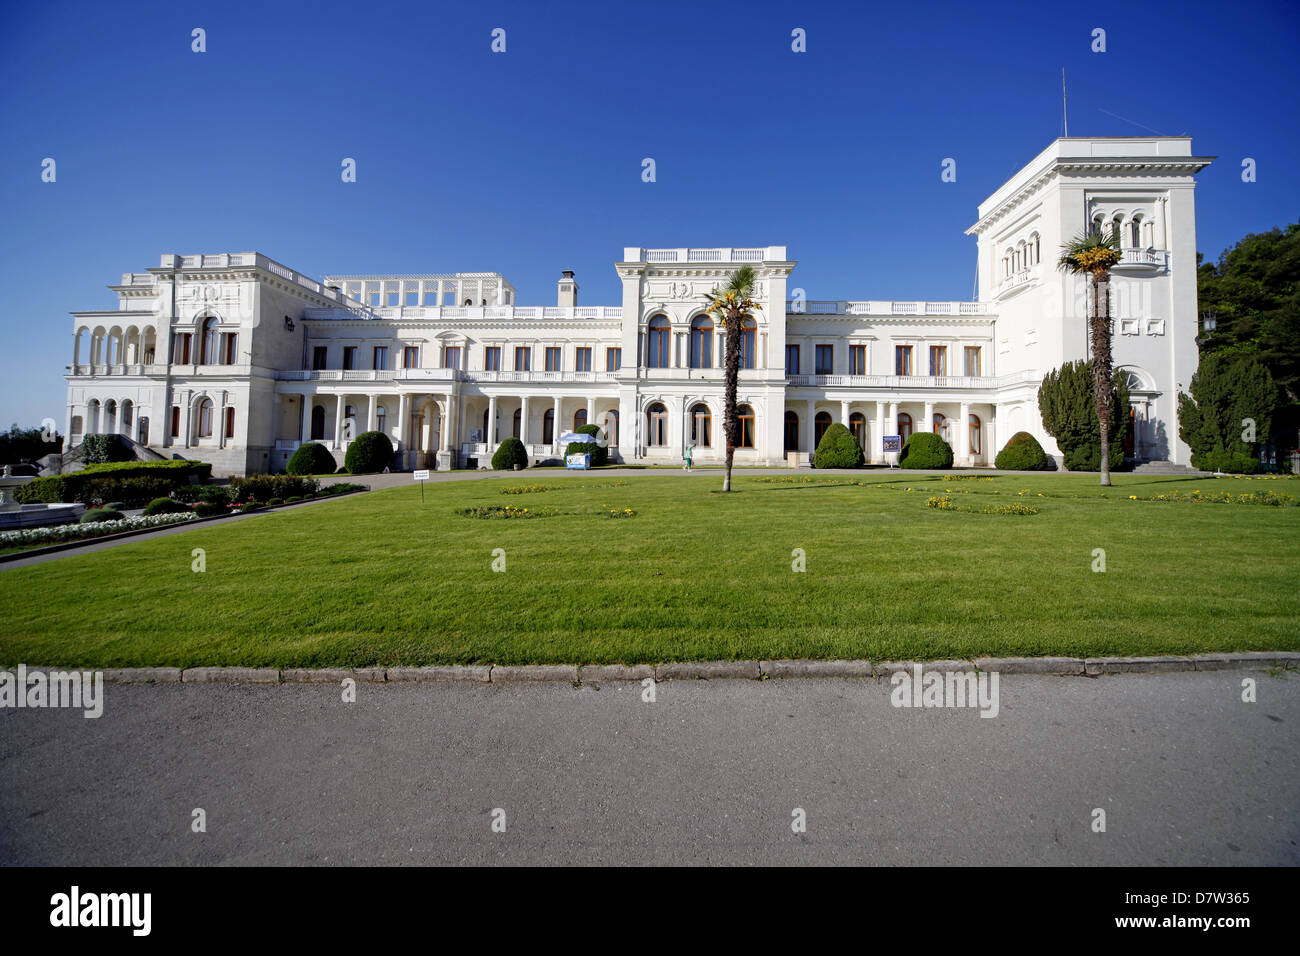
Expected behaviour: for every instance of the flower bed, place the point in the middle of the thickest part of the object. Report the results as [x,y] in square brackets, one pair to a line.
[506,511]
[945,503]
[35,537]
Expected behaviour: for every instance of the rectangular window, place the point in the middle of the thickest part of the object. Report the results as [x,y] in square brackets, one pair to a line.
[857,360]
[552,359]
[229,347]
[182,349]
[492,359]
[411,356]
[973,360]
[349,357]
[582,360]
[319,356]
[902,360]
[523,358]
[613,360]
[451,356]
[176,421]
[792,360]
[938,360]
[381,357]
[825,361]
[230,421]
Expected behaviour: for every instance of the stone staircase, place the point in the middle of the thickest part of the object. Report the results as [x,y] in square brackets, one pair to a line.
[1164,468]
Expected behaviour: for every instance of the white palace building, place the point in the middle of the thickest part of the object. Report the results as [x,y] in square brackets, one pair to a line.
[236,359]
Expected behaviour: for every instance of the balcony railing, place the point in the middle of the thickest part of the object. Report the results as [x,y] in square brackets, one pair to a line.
[880,307]
[912,381]
[447,313]
[715,254]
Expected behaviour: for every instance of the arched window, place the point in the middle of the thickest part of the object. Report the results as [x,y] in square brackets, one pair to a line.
[821,422]
[381,416]
[208,342]
[975,435]
[611,427]
[744,426]
[110,417]
[658,343]
[904,425]
[939,425]
[1137,231]
[205,418]
[548,427]
[858,426]
[748,333]
[1098,222]
[142,430]
[318,423]
[1033,249]
[656,426]
[518,418]
[791,431]
[579,418]
[127,409]
[702,342]
[701,425]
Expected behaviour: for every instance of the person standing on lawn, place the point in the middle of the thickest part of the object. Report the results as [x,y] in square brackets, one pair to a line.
[690,447]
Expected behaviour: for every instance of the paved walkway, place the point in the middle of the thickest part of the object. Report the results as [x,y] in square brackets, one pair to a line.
[711,772]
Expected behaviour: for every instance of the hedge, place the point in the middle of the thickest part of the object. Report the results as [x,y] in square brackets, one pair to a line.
[163,506]
[925,450]
[369,452]
[101,514]
[266,487]
[313,458]
[1022,453]
[599,454]
[509,453]
[838,449]
[105,482]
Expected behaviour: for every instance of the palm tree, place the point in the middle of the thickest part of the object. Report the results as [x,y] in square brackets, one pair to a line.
[1093,254]
[731,306]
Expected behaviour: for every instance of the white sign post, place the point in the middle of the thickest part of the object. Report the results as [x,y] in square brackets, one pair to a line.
[422,475]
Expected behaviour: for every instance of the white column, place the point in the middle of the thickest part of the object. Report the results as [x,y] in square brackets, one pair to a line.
[877,451]
[928,426]
[963,434]
[306,418]
[446,417]
[491,436]
[403,427]
[893,418]
[1161,211]
[523,419]
[810,428]
[478,299]
[339,408]
[372,414]
[555,429]
[844,414]
[591,411]
[440,294]
[990,436]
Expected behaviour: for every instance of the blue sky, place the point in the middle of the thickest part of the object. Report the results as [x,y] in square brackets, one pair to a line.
[529,162]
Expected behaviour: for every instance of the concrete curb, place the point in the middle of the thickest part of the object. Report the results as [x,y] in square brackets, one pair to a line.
[688,670]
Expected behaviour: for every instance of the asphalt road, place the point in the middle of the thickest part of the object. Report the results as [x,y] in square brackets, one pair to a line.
[709,773]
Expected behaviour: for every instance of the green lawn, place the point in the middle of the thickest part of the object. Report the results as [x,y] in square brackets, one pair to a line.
[380,578]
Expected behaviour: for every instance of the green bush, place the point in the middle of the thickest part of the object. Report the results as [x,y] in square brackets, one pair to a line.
[1227,391]
[193,493]
[925,450]
[313,458]
[342,488]
[209,509]
[509,453]
[1022,453]
[266,487]
[104,448]
[838,449]
[98,483]
[276,501]
[369,452]
[164,506]
[292,498]
[599,455]
[1069,412]
[101,514]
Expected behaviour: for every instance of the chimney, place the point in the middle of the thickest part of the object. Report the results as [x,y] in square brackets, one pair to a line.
[568,294]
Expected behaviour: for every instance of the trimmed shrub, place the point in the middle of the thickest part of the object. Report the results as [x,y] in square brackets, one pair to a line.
[101,514]
[925,450]
[1022,453]
[209,509]
[293,498]
[509,453]
[368,453]
[164,506]
[599,455]
[1069,412]
[193,493]
[312,458]
[838,449]
[276,501]
[95,483]
[1226,391]
[342,488]
[266,487]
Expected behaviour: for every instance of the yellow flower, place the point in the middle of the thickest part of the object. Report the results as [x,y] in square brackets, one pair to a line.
[1133,497]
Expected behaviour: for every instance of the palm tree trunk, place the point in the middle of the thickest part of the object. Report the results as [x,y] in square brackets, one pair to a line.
[1101,365]
[733,374]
